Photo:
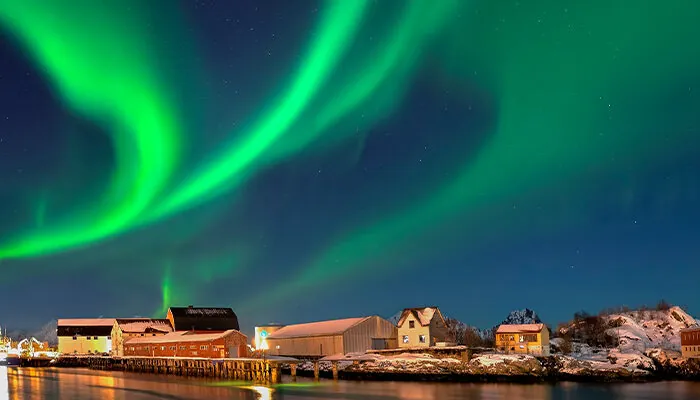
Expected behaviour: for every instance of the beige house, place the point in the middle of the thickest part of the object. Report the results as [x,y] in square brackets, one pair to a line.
[523,339]
[85,335]
[422,327]
[124,329]
[325,338]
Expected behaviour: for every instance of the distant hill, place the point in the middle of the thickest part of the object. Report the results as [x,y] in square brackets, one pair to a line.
[524,316]
[46,333]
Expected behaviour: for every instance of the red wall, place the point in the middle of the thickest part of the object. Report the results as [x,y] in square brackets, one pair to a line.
[218,348]
[690,338]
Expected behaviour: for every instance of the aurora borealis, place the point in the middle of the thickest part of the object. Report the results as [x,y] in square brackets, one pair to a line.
[261,155]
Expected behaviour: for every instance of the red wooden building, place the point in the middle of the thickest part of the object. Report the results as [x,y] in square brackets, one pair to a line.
[690,342]
[227,344]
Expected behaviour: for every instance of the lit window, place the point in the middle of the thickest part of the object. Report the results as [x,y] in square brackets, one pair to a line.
[162,347]
[421,338]
[405,338]
[411,324]
[193,347]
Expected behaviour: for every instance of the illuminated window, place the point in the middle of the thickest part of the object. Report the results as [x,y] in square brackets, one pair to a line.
[193,347]
[183,347]
[411,324]
[194,353]
[405,338]
[203,347]
[421,338]
[162,347]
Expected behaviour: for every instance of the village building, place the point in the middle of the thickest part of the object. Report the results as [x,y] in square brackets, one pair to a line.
[690,342]
[423,327]
[523,339]
[227,344]
[126,328]
[85,336]
[202,319]
[324,338]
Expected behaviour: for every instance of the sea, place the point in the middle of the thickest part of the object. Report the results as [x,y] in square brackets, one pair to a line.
[75,384]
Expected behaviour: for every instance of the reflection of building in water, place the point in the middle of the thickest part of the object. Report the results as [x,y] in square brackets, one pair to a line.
[514,392]
[4,384]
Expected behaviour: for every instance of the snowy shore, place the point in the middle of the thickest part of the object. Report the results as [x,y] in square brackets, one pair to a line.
[612,366]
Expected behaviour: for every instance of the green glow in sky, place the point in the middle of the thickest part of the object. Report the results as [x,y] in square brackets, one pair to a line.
[575,87]
[101,64]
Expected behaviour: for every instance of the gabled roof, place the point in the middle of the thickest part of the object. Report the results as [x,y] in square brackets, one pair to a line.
[320,328]
[144,325]
[182,337]
[521,328]
[203,319]
[424,315]
[84,326]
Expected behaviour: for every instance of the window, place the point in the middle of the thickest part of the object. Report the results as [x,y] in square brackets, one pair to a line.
[172,347]
[94,338]
[405,338]
[183,347]
[411,324]
[87,338]
[421,338]
[142,334]
[75,338]
[194,353]
[203,347]
[154,334]
[162,347]
[146,348]
[193,347]
[528,338]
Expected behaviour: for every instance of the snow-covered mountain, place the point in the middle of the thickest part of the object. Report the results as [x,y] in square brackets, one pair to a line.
[524,316]
[634,330]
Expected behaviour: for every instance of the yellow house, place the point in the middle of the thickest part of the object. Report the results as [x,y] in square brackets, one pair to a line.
[523,339]
[85,335]
[422,327]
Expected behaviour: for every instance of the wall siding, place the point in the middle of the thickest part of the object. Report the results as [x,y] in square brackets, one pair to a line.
[358,339]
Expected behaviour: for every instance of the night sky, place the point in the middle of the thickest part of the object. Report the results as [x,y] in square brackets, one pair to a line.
[302,160]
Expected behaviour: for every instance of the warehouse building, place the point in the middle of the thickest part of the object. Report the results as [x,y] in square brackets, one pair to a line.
[127,328]
[85,335]
[324,338]
[227,344]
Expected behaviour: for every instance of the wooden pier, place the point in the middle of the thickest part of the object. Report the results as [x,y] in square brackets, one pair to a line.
[268,371]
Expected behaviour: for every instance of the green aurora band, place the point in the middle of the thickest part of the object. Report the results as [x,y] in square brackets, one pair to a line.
[576,87]
[110,76]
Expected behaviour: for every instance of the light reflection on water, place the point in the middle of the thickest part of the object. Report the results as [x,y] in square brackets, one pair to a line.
[51,383]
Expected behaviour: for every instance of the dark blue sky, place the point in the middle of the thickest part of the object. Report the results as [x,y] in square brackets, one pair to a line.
[481,171]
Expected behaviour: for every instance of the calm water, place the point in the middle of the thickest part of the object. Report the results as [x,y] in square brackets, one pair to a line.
[27,383]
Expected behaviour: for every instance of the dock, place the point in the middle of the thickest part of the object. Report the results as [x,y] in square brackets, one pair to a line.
[267,371]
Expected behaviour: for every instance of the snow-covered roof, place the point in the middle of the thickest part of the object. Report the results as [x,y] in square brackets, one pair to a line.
[423,314]
[182,336]
[520,328]
[142,325]
[86,322]
[321,328]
